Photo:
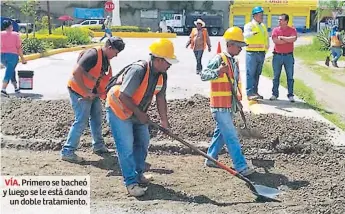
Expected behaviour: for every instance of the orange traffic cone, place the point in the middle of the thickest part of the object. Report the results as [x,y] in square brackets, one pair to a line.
[219,48]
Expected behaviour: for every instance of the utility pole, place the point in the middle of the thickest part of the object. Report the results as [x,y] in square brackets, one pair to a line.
[49,24]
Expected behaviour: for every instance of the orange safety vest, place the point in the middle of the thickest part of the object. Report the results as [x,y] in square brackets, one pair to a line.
[221,95]
[194,33]
[335,42]
[116,104]
[92,78]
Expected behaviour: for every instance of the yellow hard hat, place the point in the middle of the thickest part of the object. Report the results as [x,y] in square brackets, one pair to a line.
[234,34]
[163,48]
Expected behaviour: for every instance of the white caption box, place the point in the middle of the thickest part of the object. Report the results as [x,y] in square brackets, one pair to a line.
[45,194]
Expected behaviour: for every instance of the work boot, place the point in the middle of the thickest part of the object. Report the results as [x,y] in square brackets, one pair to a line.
[102,150]
[334,64]
[273,98]
[259,96]
[210,164]
[253,97]
[135,190]
[198,72]
[4,93]
[145,179]
[247,171]
[291,98]
[327,61]
[73,158]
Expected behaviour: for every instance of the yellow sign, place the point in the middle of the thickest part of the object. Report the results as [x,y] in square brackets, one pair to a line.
[270,3]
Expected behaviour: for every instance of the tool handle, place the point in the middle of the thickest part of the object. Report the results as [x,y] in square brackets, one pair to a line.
[169,133]
[219,164]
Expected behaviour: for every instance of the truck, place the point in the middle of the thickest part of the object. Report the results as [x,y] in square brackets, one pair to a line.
[184,23]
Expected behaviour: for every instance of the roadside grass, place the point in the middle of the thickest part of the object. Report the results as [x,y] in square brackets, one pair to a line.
[305,93]
[310,54]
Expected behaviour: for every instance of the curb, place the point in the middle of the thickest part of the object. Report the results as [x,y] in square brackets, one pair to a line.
[138,34]
[57,51]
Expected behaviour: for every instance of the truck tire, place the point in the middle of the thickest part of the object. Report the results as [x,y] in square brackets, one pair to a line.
[170,30]
[22,29]
[214,31]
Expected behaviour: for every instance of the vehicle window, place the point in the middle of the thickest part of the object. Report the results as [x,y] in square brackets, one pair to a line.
[177,17]
[85,23]
[93,22]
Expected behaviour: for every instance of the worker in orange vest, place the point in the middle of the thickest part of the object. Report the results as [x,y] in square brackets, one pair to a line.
[86,88]
[222,68]
[336,45]
[198,40]
[127,104]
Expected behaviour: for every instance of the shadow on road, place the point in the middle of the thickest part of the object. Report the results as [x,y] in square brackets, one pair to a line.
[276,180]
[27,95]
[285,105]
[158,192]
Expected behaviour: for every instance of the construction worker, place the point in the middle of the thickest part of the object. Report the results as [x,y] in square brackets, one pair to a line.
[127,104]
[198,39]
[256,36]
[223,102]
[336,45]
[86,88]
[106,26]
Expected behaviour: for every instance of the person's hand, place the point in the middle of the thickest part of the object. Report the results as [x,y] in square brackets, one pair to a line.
[24,61]
[142,117]
[90,95]
[165,124]
[223,69]
[209,49]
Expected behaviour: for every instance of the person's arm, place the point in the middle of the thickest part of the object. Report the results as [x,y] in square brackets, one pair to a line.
[208,41]
[162,104]
[276,39]
[130,84]
[212,70]
[290,39]
[87,61]
[247,30]
[189,39]
[20,49]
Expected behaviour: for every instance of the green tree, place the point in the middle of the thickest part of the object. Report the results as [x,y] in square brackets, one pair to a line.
[324,7]
[28,8]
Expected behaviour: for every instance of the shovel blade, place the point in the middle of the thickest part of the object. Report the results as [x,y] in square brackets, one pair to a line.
[266,193]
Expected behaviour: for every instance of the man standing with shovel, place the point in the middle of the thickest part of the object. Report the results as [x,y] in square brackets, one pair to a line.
[222,68]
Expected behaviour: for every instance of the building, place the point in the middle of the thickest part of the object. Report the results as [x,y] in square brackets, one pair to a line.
[301,13]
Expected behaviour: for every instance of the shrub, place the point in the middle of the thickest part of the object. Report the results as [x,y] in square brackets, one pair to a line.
[119,28]
[75,36]
[324,40]
[52,41]
[33,45]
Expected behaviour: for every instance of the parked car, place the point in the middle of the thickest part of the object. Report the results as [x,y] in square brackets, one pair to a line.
[88,22]
[15,24]
[24,26]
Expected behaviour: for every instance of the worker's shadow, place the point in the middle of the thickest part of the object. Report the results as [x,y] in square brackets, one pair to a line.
[158,192]
[286,105]
[276,180]
[27,95]
[107,162]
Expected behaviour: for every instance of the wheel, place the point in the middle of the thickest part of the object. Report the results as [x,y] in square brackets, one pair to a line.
[214,31]
[170,30]
[22,29]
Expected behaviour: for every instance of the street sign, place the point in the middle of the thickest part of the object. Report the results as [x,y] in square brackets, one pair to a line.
[109,6]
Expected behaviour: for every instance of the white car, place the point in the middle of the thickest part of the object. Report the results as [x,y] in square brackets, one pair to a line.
[88,22]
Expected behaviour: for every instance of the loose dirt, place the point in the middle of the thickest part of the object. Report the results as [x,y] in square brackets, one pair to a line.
[308,170]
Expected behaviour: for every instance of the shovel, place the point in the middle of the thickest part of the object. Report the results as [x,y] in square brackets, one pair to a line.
[263,193]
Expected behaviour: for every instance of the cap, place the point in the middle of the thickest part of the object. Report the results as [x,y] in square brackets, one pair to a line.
[117,43]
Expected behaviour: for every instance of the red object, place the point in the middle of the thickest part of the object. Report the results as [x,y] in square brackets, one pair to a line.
[219,48]
[109,6]
[65,18]
[287,47]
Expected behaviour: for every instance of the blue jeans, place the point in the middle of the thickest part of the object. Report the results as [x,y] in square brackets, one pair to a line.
[10,61]
[198,56]
[132,142]
[254,64]
[83,110]
[336,53]
[277,63]
[106,31]
[225,132]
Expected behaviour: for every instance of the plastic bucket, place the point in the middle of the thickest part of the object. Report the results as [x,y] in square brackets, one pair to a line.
[26,80]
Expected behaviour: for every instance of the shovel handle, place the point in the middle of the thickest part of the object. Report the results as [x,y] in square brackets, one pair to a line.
[221,165]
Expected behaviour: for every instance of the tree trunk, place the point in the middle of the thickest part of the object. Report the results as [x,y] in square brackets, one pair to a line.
[49,24]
